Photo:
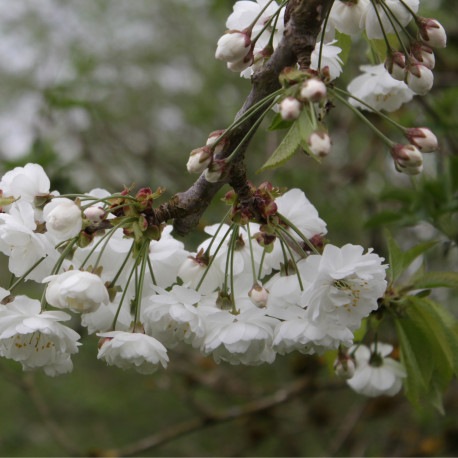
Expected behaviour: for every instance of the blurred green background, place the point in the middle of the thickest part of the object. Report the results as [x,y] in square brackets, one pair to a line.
[110,93]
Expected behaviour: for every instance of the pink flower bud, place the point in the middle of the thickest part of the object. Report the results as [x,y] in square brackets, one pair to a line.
[319,143]
[290,108]
[419,78]
[395,64]
[94,214]
[432,32]
[199,159]
[259,296]
[423,54]
[407,159]
[233,46]
[313,90]
[422,138]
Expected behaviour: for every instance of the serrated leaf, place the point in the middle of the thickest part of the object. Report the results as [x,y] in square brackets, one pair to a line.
[437,280]
[289,144]
[395,257]
[411,342]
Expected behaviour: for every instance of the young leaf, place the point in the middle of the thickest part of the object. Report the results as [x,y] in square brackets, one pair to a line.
[395,258]
[437,280]
[289,144]
[412,254]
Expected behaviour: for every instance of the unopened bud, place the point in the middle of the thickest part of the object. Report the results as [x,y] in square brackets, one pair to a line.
[319,143]
[233,46]
[432,32]
[199,159]
[423,54]
[344,367]
[422,138]
[215,170]
[290,108]
[395,64]
[419,78]
[212,139]
[94,214]
[240,65]
[259,296]
[313,90]
[407,158]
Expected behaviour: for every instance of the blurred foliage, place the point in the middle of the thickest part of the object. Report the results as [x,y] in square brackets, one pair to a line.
[105,94]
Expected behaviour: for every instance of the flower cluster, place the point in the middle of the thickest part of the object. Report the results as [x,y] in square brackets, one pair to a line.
[257,287]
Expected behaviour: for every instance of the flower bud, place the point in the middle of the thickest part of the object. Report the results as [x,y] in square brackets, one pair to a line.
[94,214]
[344,367]
[63,218]
[313,90]
[233,46]
[199,159]
[419,78]
[290,108]
[259,296]
[395,64]
[407,159]
[240,65]
[422,138]
[215,171]
[423,54]
[432,32]
[212,139]
[319,143]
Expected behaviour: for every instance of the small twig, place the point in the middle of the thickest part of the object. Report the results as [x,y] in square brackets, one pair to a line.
[279,397]
[30,388]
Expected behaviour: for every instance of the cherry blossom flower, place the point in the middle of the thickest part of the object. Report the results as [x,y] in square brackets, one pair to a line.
[376,374]
[132,350]
[36,339]
[63,219]
[330,58]
[378,89]
[346,16]
[76,290]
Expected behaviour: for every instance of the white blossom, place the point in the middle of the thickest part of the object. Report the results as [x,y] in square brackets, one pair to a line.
[370,20]
[346,16]
[330,58]
[378,89]
[63,219]
[76,290]
[132,350]
[376,374]
[36,339]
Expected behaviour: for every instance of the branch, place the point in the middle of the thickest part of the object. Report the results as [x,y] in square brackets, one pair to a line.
[259,405]
[303,21]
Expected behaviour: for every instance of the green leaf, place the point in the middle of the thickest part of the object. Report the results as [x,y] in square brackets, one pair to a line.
[344,43]
[279,123]
[395,257]
[383,217]
[290,143]
[437,280]
[412,254]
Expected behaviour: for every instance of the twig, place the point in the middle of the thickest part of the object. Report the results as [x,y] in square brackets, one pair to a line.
[279,397]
